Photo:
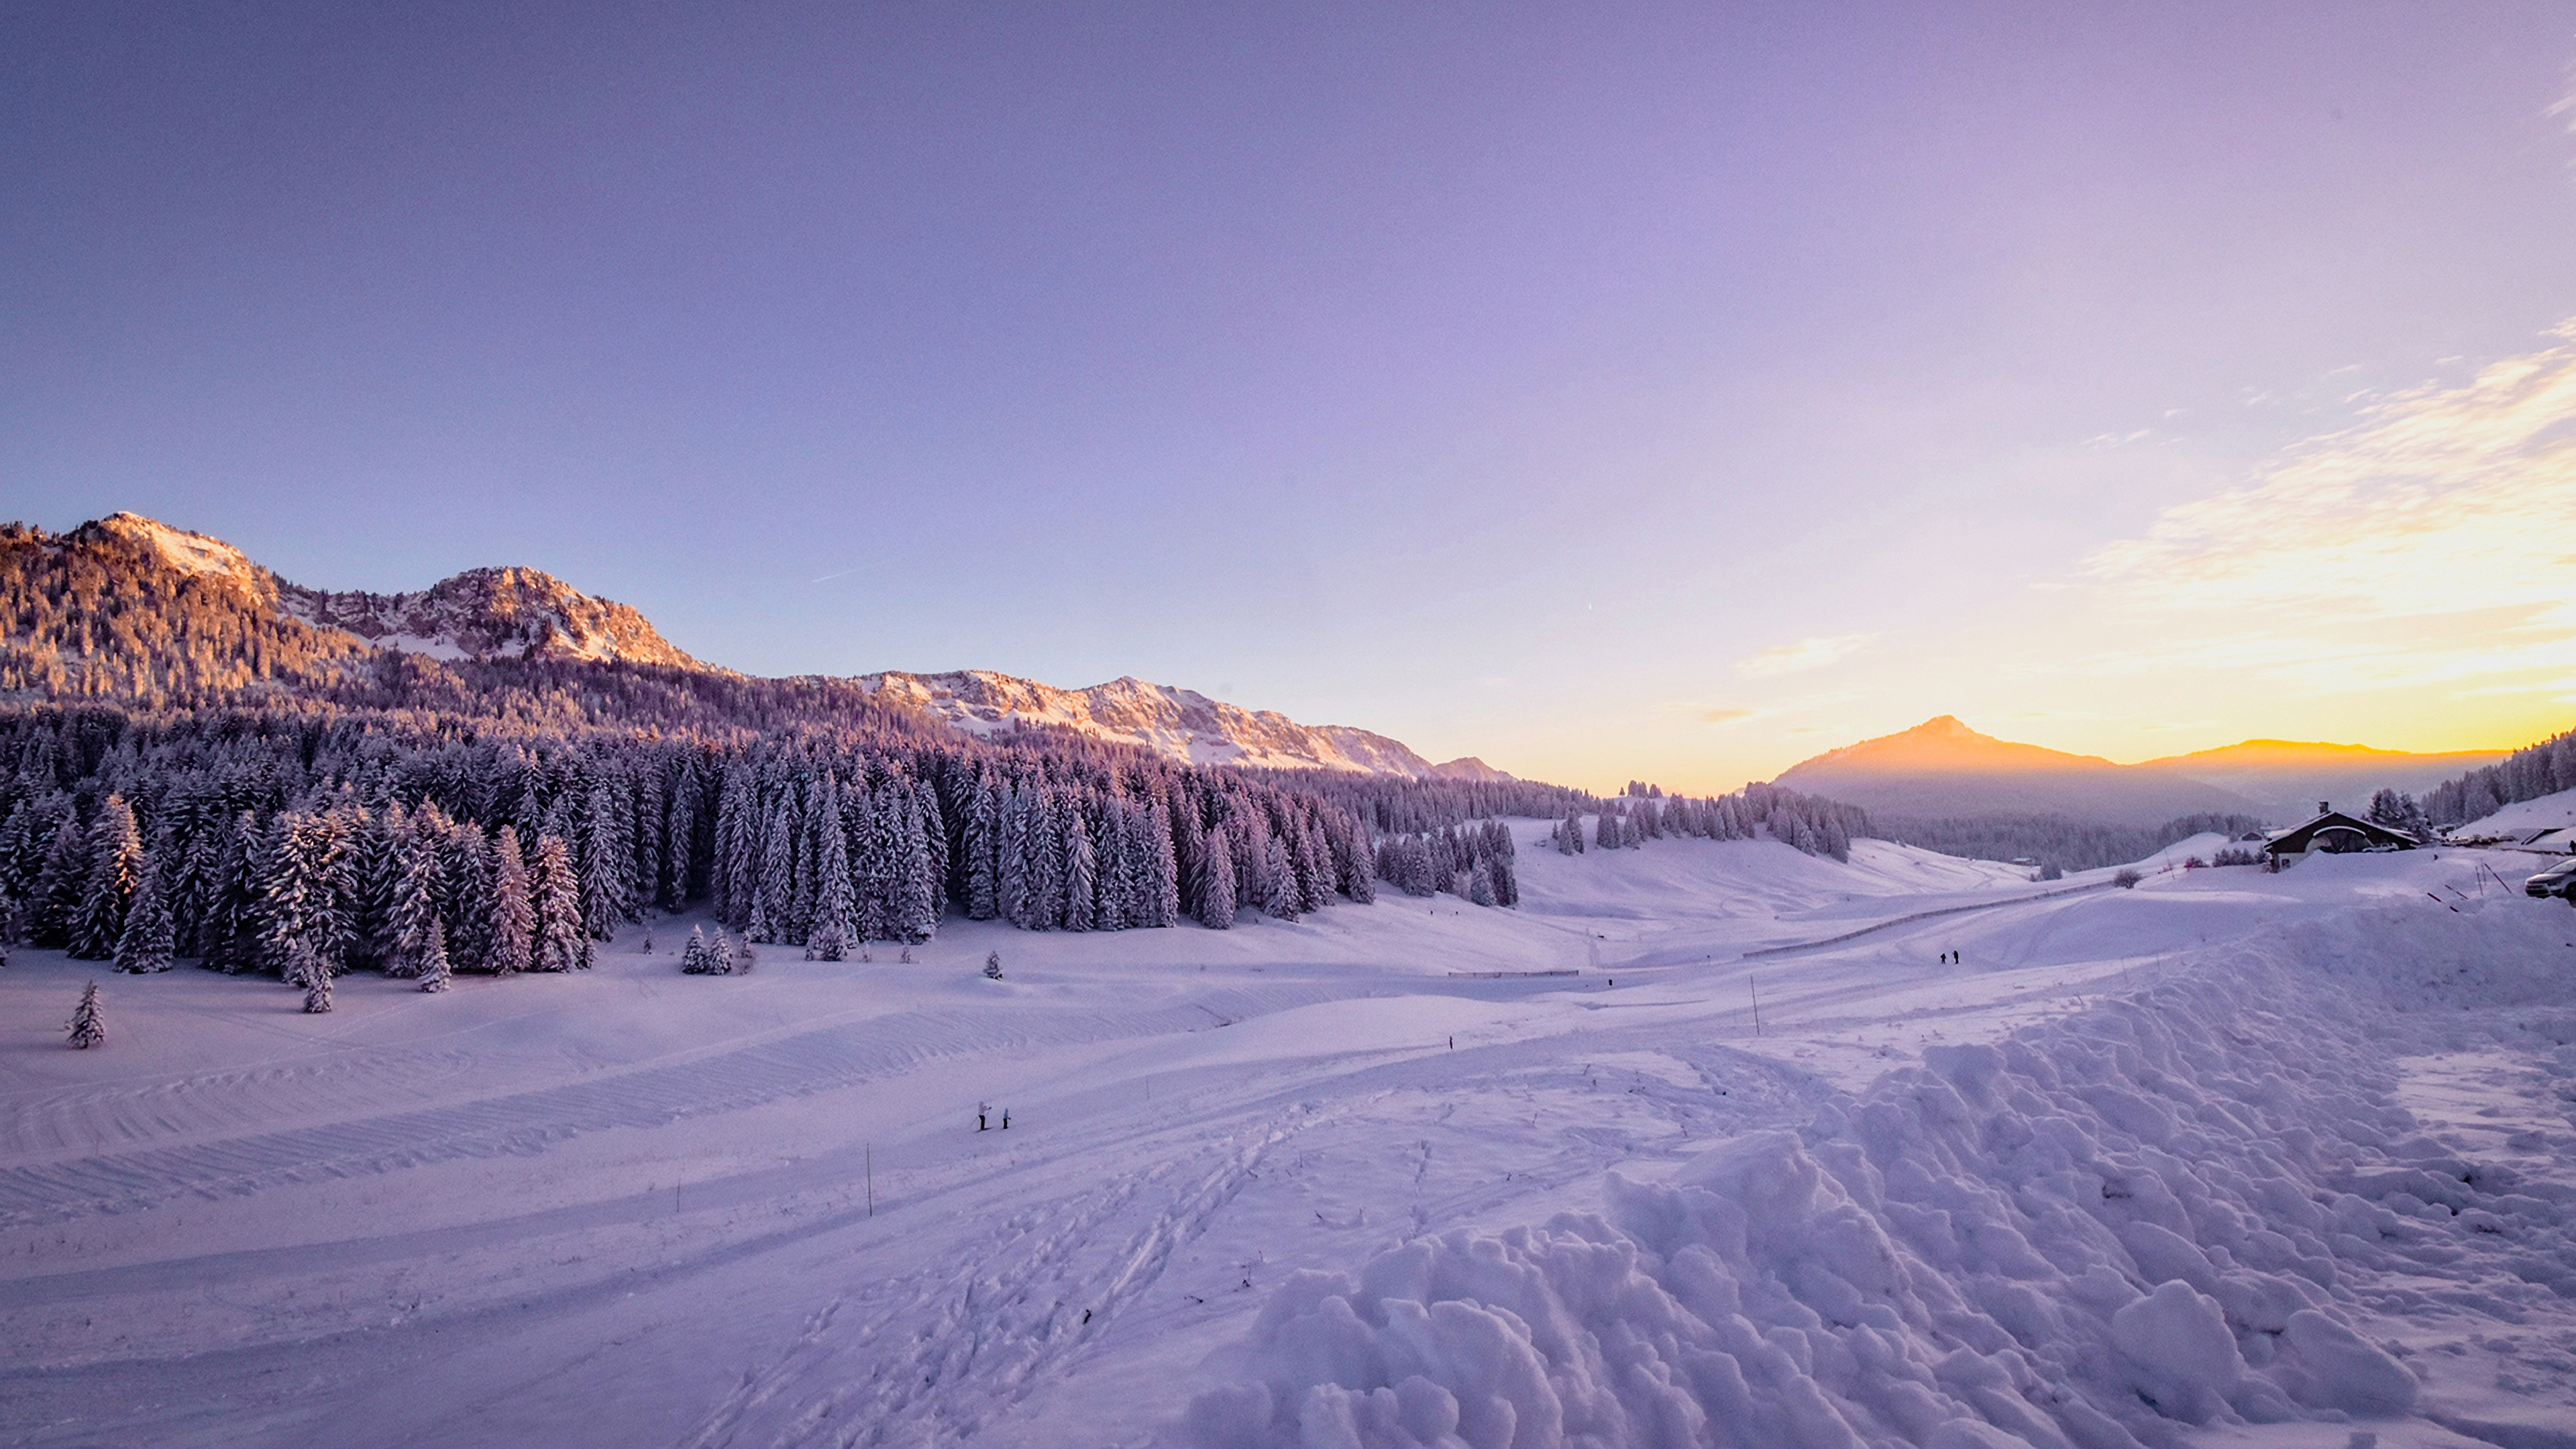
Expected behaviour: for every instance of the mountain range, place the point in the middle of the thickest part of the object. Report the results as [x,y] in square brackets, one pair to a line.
[188,617]
[1943,769]
[126,607]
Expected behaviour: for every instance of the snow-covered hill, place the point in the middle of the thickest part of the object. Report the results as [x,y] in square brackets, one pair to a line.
[1181,724]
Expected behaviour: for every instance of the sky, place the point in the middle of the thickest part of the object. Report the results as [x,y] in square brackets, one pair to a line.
[1610,392]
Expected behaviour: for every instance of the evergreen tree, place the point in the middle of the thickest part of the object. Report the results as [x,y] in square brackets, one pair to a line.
[607,861]
[983,847]
[89,1020]
[723,955]
[1081,874]
[411,904]
[1164,878]
[695,958]
[144,946]
[228,936]
[511,945]
[315,973]
[116,864]
[772,892]
[1216,893]
[55,902]
[834,901]
[554,894]
[917,909]
[300,907]
[432,956]
[1278,880]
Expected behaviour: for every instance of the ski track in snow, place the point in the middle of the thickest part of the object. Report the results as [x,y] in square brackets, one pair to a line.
[455,1221]
[524,1122]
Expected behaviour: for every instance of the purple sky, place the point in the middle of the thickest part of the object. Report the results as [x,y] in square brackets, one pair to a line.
[1608,391]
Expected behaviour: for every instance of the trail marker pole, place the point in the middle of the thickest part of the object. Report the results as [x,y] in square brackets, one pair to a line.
[1757,1002]
[871,1150]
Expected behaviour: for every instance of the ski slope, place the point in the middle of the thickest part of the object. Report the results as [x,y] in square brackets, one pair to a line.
[2230,1158]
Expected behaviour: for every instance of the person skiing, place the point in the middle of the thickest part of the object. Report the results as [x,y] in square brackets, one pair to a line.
[1006,1119]
[981,1108]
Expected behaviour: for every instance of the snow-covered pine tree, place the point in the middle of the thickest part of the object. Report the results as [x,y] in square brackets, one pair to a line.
[680,833]
[116,863]
[554,894]
[1279,880]
[228,936]
[465,867]
[511,945]
[375,868]
[799,899]
[411,905]
[1081,873]
[432,958]
[1112,869]
[314,973]
[834,899]
[1015,861]
[983,846]
[723,953]
[727,877]
[1163,880]
[145,944]
[606,862]
[1047,857]
[299,909]
[88,1025]
[917,905]
[1480,884]
[55,900]
[934,839]
[1216,893]
[822,837]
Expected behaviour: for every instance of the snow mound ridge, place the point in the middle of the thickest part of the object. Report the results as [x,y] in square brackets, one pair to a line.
[491,613]
[1180,724]
[2177,1208]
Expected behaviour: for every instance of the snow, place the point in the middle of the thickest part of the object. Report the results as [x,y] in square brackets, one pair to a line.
[2232,1158]
[1179,724]
[2523,819]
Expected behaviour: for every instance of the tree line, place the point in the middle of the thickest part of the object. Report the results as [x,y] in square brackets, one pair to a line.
[308,842]
[2527,774]
[2055,841]
[1809,823]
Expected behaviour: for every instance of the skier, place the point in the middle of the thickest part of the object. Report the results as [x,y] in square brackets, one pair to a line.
[980,1109]
[1006,1119]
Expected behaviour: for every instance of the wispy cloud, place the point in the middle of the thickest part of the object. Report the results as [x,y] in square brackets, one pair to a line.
[1802,656]
[2433,542]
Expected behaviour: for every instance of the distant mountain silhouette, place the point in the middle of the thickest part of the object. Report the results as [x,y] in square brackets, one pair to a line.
[1942,768]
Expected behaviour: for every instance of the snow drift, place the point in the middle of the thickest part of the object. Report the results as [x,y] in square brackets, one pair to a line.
[2176,1208]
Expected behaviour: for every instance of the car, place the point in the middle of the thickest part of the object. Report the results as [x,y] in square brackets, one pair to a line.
[2558,880]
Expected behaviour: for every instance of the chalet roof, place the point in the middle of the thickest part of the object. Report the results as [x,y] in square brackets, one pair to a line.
[2295,840]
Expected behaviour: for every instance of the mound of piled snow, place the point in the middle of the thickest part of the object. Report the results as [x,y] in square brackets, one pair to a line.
[2178,1208]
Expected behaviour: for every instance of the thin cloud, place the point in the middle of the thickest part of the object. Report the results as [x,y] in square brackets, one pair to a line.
[2432,543]
[1802,656]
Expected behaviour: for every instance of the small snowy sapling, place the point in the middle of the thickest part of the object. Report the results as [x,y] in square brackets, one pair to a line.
[88,1025]
[993,967]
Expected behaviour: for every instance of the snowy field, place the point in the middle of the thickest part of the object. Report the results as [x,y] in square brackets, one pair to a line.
[2227,1159]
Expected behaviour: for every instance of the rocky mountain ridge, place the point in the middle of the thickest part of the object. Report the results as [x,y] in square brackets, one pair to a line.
[135,608]
[1181,724]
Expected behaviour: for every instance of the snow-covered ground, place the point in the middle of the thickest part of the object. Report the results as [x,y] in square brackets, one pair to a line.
[2524,819]
[2230,1158]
